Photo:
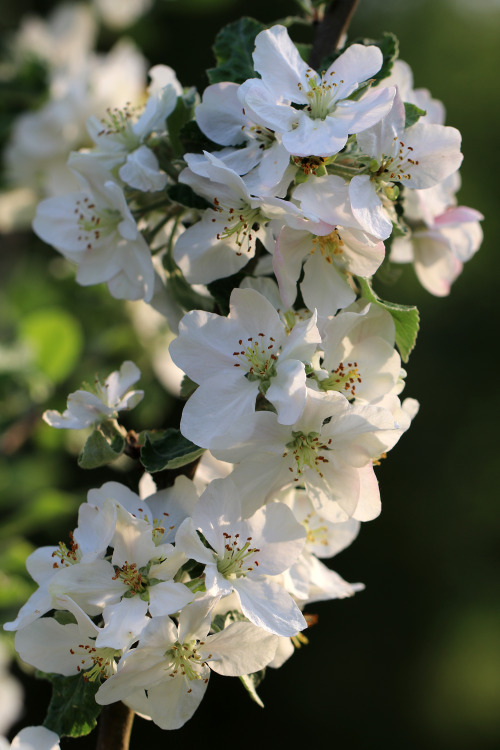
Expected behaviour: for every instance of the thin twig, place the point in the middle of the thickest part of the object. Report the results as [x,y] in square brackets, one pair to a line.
[115,727]
[330,30]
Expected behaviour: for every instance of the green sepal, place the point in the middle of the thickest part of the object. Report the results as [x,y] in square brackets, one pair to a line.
[251,683]
[412,114]
[98,450]
[233,49]
[406,319]
[182,114]
[72,711]
[168,449]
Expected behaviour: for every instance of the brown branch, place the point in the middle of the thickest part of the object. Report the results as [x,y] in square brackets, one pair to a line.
[115,727]
[330,30]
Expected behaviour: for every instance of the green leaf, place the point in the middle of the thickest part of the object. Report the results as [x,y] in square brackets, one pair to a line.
[168,450]
[412,114]
[233,50]
[251,683]
[406,319]
[72,711]
[184,195]
[56,339]
[182,114]
[98,451]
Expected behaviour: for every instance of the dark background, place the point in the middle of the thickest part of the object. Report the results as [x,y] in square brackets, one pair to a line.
[414,660]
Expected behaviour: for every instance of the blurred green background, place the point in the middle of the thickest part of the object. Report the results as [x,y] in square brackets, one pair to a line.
[413,661]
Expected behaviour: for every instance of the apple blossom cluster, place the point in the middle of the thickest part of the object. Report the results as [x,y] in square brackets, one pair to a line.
[254,218]
[154,592]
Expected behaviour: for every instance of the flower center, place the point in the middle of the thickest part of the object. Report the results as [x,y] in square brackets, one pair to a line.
[96,663]
[235,562]
[306,452]
[184,659]
[67,556]
[118,123]
[342,379]
[136,579]
[238,222]
[331,247]
[317,534]
[94,224]
[393,168]
[321,96]
[258,356]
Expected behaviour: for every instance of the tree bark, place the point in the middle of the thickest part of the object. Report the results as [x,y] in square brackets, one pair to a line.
[115,727]
[330,30]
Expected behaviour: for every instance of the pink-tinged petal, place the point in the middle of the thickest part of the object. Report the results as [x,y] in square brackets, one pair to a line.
[269,606]
[458,215]
[369,505]
[279,63]
[435,155]
[315,137]
[368,209]
[239,649]
[463,240]
[220,114]
[435,265]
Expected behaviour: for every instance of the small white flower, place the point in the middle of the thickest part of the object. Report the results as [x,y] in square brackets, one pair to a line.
[245,554]
[166,676]
[86,408]
[326,116]
[234,359]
